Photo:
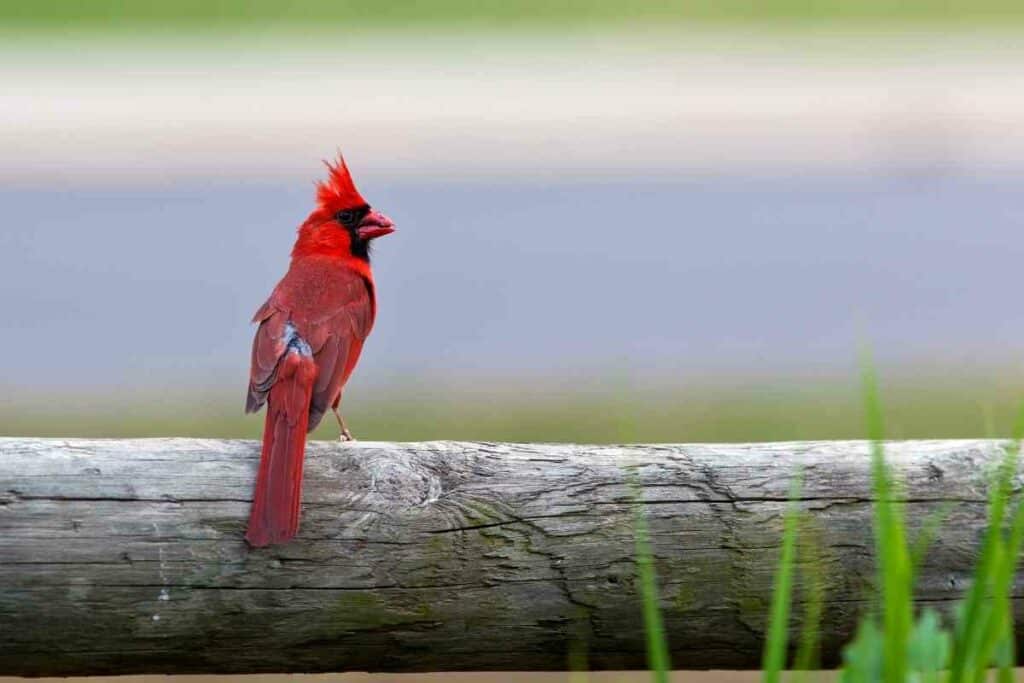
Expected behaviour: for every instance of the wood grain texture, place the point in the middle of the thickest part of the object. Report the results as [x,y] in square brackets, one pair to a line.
[127,556]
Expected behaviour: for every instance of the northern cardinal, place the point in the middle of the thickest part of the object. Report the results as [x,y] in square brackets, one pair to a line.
[311,331]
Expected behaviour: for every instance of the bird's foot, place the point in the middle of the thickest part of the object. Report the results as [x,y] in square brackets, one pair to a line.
[345,434]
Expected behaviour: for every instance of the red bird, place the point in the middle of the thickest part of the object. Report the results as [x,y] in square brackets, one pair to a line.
[311,331]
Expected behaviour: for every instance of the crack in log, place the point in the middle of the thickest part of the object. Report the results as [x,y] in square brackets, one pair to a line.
[853,500]
[487,584]
[504,522]
[19,496]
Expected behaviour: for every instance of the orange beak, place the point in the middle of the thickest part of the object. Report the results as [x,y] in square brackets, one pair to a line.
[375,225]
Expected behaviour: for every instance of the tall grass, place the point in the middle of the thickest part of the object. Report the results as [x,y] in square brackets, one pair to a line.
[657,645]
[893,643]
[774,659]
[895,582]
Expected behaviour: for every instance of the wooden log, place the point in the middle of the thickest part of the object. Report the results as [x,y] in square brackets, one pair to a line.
[126,556]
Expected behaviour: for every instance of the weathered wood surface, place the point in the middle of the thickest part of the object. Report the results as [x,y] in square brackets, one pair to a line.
[127,556]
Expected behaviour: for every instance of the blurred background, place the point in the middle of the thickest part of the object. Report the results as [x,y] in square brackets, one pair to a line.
[618,221]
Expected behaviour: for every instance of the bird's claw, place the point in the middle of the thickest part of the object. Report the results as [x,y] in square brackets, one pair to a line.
[346,436]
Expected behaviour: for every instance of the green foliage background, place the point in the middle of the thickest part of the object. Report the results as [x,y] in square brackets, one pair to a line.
[350,14]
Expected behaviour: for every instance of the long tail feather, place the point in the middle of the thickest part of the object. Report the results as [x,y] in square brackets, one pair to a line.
[275,506]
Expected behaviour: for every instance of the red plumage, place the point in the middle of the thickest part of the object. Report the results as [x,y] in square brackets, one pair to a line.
[311,332]
[339,192]
[275,508]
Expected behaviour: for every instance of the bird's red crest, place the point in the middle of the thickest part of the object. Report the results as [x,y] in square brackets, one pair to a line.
[338,192]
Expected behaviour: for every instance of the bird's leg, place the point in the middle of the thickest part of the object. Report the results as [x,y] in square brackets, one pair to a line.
[345,434]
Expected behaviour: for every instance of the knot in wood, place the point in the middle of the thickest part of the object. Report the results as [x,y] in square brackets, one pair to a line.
[383,477]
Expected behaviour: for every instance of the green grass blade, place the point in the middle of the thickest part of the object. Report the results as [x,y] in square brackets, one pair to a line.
[578,648]
[979,622]
[657,646]
[814,572]
[1006,652]
[969,634]
[774,658]
[895,578]
[998,622]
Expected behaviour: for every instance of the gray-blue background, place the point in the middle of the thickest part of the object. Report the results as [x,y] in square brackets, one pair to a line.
[689,274]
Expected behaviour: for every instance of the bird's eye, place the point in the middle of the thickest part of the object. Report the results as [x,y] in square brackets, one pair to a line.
[346,217]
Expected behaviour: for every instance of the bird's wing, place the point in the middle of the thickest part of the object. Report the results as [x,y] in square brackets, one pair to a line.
[268,346]
[331,309]
[343,334]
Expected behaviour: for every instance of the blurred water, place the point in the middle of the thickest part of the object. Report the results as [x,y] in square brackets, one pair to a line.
[715,273]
